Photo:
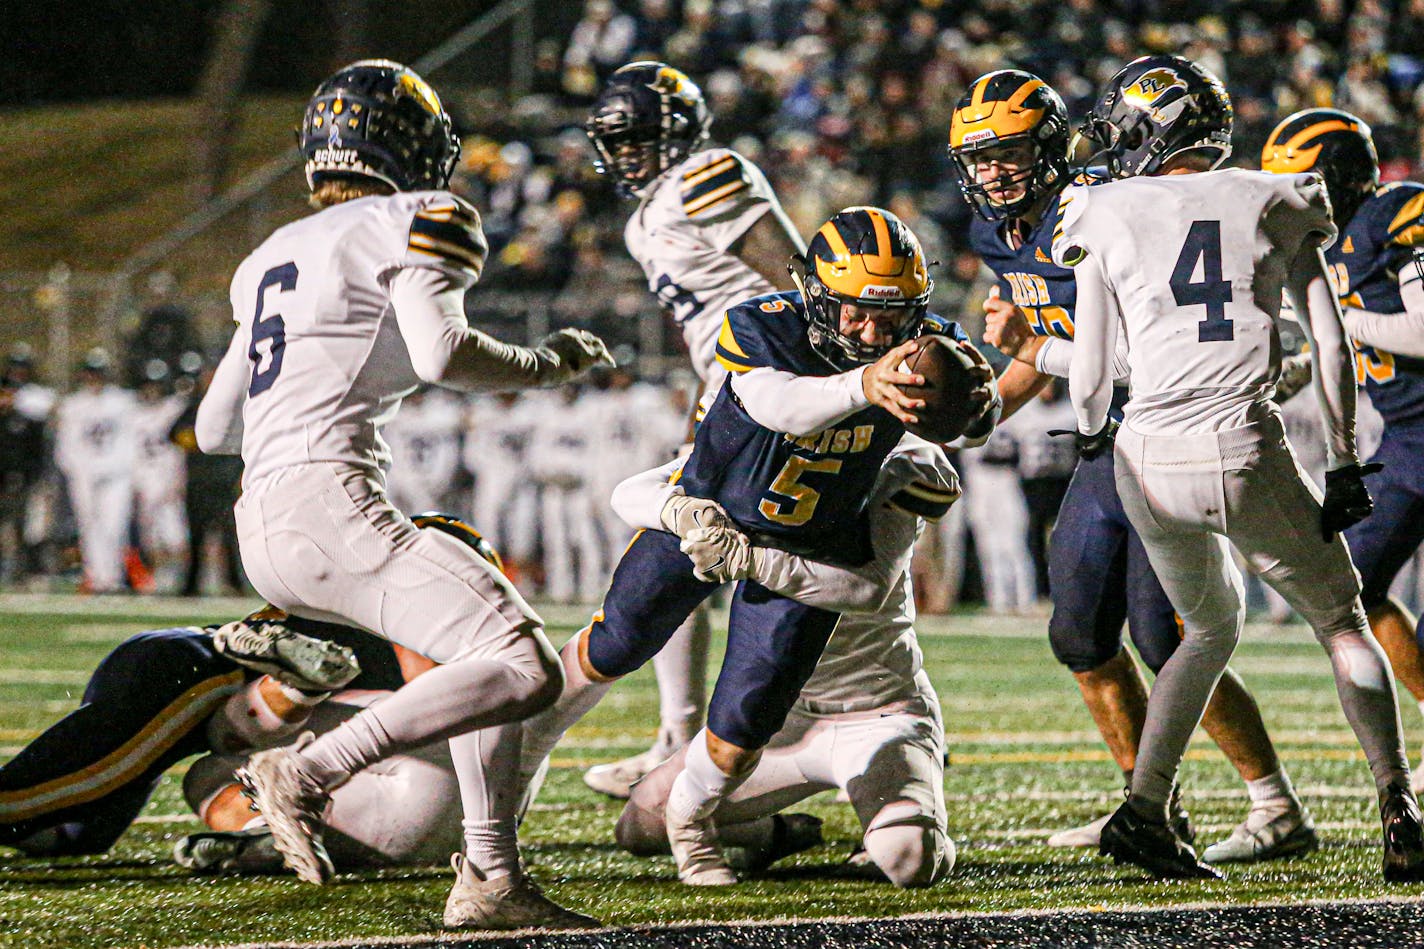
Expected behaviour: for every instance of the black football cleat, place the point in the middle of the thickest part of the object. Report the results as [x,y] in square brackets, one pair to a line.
[1179,820]
[1403,836]
[1128,837]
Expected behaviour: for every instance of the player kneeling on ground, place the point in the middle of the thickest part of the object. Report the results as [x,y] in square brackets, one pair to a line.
[868,720]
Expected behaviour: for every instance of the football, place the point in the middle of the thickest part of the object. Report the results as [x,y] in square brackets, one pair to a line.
[949,379]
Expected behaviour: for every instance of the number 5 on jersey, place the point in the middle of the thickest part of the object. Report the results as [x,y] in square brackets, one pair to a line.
[787,485]
[272,329]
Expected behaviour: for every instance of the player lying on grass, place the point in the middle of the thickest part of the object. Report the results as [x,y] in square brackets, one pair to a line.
[789,451]
[162,696]
[867,721]
[1202,461]
[1008,144]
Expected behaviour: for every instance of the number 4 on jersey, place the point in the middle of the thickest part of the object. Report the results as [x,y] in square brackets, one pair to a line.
[1204,244]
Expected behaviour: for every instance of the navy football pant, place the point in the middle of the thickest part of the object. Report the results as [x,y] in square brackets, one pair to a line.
[1099,576]
[773,643]
[1383,542]
[88,776]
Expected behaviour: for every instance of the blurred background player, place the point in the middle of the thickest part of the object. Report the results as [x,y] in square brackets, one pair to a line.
[426,472]
[788,452]
[158,477]
[564,451]
[94,450]
[867,721]
[708,232]
[1377,264]
[499,430]
[1009,144]
[1201,457]
[211,484]
[340,315]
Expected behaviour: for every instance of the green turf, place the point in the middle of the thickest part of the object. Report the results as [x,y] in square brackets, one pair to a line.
[1023,759]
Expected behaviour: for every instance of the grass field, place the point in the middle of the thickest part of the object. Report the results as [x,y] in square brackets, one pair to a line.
[1024,761]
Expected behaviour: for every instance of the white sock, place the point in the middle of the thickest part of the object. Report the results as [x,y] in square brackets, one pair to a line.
[543,731]
[702,786]
[1272,793]
[1421,706]
[487,767]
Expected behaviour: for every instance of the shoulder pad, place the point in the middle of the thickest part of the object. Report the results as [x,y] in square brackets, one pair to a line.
[446,229]
[742,343]
[713,181]
[1406,225]
[1067,248]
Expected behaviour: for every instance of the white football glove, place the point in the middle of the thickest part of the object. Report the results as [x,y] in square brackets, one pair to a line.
[682,514]
[566,354]
[720,554]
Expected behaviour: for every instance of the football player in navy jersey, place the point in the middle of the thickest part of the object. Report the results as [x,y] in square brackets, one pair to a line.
[1378,268]
[788,453]
[1009,144]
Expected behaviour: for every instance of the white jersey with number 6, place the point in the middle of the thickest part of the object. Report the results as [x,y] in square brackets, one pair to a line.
[327,362]
[1196,264]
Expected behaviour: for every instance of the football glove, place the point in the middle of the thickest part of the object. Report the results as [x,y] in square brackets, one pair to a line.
[681,515]
[1091,446]
[1347,500]
[720,554]
[1295,375]
[568,353]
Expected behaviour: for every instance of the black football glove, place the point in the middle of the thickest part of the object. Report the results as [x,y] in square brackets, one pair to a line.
[1347,500]
[1091,446]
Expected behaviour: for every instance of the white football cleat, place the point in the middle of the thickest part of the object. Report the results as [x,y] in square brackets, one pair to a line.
[1290,834]
[695,850]
[303,662]
[1088,835]
[508,902]
[293,806]
[617,778]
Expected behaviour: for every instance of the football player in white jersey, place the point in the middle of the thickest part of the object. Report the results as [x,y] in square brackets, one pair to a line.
[425,446]
[868,720]
[340,315]
[158,476]
[94,447]
[708,232]
[1194,288]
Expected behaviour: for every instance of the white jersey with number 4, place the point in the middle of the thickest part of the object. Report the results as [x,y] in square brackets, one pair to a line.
[328,364]
[1196,264]
[681,235]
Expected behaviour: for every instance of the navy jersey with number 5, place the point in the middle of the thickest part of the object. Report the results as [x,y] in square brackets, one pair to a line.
[1383,236]
[805,495]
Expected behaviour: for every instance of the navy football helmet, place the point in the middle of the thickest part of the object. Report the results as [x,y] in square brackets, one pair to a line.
[648,118]
[1155,108]
[1336,145]
[869,257]
[378,119]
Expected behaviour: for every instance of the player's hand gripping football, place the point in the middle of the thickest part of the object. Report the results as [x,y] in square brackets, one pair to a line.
[987,392]
[569,353]
[882,379]
[1005,326]
[1347,500]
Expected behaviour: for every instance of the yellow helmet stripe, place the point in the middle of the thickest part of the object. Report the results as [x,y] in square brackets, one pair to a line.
[833,237]
[1319,128]
[979,87]
[884,262]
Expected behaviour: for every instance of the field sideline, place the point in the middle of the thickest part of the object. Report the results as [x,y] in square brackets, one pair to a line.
[1024,760]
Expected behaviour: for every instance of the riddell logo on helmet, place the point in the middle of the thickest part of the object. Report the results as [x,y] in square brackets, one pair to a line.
[979,136]
[876,291]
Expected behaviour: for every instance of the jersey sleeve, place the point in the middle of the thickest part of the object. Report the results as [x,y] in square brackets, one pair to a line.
[444,233]
[723,195]
[1305,195]
[742,344]
[1072,241]
[1406,228]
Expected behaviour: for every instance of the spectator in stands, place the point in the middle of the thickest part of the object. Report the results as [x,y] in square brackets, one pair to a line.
[600,43]
[211,484]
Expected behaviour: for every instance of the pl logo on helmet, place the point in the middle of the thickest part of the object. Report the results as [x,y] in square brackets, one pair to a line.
[378,119]
[1155,109]
[867,257]
[648,118]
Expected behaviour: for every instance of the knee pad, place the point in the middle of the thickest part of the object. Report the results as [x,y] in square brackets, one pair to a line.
[911,855]
[641,832]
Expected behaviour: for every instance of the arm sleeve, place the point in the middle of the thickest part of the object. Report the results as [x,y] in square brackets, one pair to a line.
[218,427]
[1331,354]
[1090,377]
[639,500]
[1398,333]
[1055,357]
[799,405]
